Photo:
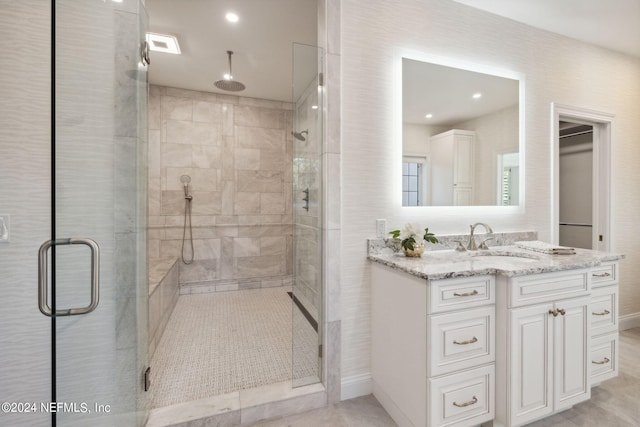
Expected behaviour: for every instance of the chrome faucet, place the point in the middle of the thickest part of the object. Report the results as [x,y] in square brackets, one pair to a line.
[472,242]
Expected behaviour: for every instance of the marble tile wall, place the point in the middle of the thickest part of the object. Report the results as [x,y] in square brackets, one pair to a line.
[238,153]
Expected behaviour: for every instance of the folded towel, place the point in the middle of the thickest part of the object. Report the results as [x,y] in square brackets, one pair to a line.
[546,248]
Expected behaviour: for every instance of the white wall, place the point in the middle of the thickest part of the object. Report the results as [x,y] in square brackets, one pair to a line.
[415,137]
[557,69]
[495,133]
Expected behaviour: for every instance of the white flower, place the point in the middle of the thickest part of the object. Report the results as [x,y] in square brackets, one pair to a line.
[412,230]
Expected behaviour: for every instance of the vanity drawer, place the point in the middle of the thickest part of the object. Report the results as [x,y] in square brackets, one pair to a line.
[547,287]
[462,292]
[604,358]
[462,399]
[604,275]
[604,310]
[460,340]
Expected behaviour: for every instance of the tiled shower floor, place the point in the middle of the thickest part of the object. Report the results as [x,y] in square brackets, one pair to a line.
[228,341]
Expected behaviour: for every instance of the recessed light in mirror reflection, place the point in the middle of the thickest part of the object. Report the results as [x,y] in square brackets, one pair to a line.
[232,17]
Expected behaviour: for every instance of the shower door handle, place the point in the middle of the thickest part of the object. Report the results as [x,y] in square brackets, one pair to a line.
[43,277]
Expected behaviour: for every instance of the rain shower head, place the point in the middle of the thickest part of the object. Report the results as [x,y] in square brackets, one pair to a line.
[228,83]
[300,136]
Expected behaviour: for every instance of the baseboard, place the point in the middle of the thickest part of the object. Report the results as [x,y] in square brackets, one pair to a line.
[629,321]
[390,406]
[355,386]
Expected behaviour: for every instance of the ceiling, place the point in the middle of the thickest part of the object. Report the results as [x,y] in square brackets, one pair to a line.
[613,24]
[261,40]
[447,93]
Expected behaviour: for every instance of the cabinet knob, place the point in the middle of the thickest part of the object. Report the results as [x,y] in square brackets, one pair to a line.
[561,311]
[554,312]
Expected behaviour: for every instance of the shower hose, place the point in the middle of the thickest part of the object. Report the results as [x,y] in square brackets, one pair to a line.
[187,219]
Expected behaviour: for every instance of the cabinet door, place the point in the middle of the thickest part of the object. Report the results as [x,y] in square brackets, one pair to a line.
[463,161]
[572,346]
[531,382]
[462,196]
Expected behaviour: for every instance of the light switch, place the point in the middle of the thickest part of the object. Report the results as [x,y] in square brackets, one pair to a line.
[381,228]
[4,228]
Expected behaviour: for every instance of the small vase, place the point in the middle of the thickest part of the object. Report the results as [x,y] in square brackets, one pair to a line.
[417,251]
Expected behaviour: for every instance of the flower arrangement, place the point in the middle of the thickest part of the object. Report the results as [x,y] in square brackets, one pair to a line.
[412,244]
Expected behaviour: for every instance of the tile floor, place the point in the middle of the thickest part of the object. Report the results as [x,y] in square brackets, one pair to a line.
[615,403]
[222,342]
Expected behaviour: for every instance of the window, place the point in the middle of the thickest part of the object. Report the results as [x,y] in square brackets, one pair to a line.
[413,181]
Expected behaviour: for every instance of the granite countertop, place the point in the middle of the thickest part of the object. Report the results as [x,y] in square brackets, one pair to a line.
[504,260]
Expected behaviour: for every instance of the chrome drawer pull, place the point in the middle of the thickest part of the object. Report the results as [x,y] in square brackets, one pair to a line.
[601,275]
[602,362]
[462,405]
[468,294]
[604,313]
[471,341]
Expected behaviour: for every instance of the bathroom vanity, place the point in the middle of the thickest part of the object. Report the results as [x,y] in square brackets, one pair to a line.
[504,335]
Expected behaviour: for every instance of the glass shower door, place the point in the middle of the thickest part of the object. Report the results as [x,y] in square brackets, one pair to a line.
[97,256]
[307,214]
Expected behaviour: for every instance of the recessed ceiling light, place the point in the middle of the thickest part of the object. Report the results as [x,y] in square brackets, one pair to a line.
[428,116]
[477,95]
[314,107]
[163,43]
[232,17]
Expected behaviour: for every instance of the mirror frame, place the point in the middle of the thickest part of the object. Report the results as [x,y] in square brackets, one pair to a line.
[397,140]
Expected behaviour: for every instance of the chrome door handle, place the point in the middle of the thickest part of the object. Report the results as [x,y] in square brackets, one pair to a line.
[43,277]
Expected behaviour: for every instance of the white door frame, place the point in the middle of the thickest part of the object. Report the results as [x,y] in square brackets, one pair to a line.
[603,182]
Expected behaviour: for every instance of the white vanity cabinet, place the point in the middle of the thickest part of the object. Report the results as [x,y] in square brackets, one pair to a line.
[451,156]
[559,335]
[604,322]
[433,348]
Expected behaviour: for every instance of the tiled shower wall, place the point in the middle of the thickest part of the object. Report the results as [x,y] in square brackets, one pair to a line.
[238,153]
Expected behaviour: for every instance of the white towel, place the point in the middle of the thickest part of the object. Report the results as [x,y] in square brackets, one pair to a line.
[546,248]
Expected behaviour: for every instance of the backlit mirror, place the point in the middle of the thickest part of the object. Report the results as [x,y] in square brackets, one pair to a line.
[460,137]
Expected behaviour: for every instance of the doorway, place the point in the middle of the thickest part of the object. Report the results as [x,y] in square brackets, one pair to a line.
[581,184]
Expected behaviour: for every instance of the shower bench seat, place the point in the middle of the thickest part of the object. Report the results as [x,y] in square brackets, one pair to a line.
[163,296]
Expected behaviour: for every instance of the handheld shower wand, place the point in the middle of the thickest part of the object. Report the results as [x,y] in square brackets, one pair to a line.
[185,180]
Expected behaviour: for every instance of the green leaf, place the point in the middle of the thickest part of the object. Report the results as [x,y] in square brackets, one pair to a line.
[409,243]
[429,237]
[395,233]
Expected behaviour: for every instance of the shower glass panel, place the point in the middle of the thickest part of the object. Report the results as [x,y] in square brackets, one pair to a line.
[100,194]
[307,140]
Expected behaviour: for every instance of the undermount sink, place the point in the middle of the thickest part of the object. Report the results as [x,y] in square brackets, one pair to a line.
[504,258]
